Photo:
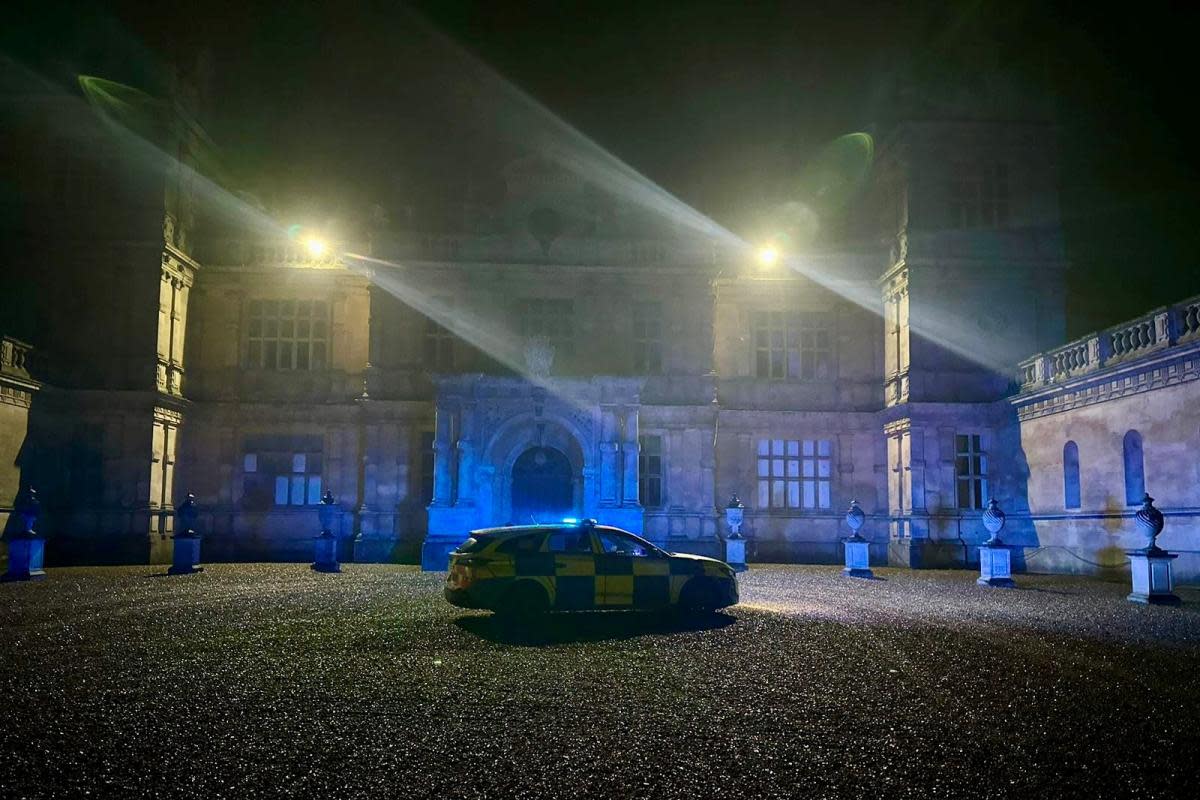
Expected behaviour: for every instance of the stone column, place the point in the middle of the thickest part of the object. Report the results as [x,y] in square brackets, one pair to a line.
[629,493]
[610,465]
[466,469]
[443,479]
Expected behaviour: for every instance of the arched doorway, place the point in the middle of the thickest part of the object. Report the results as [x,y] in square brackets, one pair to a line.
[543,488]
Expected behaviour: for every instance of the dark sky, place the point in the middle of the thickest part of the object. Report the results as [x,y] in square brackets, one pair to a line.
[324,109]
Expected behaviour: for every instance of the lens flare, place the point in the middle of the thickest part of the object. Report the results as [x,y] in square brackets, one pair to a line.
[768,256]
[315,246]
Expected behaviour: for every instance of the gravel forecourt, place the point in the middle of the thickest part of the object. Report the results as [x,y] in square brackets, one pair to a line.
[269,680]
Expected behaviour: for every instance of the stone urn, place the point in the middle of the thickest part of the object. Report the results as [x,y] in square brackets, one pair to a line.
[28,507]
[735,544]
[326,512]
[993,522]
[325,555]
[857,550]
[1149,521]
[855,519]
[185,517]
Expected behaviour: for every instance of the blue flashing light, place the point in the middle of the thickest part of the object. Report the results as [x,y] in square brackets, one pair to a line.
[570,521]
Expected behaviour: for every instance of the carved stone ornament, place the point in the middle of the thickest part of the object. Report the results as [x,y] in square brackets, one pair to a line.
[539,356]
[1149,521]
[993,520]
[855,518]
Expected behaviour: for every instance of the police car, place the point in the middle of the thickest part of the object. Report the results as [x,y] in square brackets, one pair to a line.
[577,566]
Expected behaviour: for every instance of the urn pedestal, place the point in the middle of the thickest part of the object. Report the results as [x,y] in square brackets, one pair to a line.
[185,556]
[26,557]
[995,557]
[995,566]
[1150,567]
[735,554]
[858,559]
[325,557]
[1150,570]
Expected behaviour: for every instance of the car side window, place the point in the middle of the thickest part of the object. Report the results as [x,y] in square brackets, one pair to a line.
[521,545]
[620,545]
[570,541]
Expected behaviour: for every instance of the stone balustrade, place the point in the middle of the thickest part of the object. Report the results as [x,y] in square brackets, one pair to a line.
[15,357]
[497,248]
[1163,327]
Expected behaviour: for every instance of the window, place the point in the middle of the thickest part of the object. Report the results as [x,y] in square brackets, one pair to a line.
[1135,475]
[1071,475]
[647,338]
[438,344]
[616,544]
[570,541]
[978,195]
[439,347]
[281,471]
[522,545]
[650,471]
[288,334]
[792,345]
[795,473]
[970,470]
[552,319]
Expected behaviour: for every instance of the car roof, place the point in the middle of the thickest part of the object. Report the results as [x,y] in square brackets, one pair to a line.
[514,530]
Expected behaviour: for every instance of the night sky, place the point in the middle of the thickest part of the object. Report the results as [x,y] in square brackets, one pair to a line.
[323,110]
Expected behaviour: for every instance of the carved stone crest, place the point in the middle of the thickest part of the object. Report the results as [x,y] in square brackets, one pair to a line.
[539,355]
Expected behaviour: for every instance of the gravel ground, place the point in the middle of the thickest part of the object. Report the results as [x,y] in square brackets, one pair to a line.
[271,680]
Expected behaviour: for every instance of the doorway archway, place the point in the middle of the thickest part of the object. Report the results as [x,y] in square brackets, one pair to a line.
[543,486]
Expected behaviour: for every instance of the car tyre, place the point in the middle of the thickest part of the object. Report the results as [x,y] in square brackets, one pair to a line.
[699,595]
[525,600]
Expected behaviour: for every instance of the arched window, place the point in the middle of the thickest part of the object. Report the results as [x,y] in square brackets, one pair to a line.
[1071,475]
[1135,474]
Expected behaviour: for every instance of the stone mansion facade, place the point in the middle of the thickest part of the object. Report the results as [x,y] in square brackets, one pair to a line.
[554,359]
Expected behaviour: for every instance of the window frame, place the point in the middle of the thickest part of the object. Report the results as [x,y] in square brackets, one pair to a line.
[1072,480]
[969,448]
[978,195]
[795,346]
[286,465]
[645,476]
[647,336]
[1132,442]
[259,341]
[794,475]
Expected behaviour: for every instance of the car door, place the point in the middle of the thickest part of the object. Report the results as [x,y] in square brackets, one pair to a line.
[632,575]
[575,585]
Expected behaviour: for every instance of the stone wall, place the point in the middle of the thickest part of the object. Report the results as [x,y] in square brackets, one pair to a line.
[1153,388]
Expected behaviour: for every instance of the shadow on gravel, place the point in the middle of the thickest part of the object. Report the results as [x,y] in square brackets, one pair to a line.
[596,626]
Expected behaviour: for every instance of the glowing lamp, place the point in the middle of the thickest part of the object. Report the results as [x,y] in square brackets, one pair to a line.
[768,256]
[316,247]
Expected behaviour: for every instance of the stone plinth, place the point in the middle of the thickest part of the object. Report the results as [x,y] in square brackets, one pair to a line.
[1150,570]
[26,556]
[325,554]
[185,557]
[995,566]
[735,554]
[858,558]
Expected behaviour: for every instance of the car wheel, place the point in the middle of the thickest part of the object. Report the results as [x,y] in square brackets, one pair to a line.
[523,600]
[698,594]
